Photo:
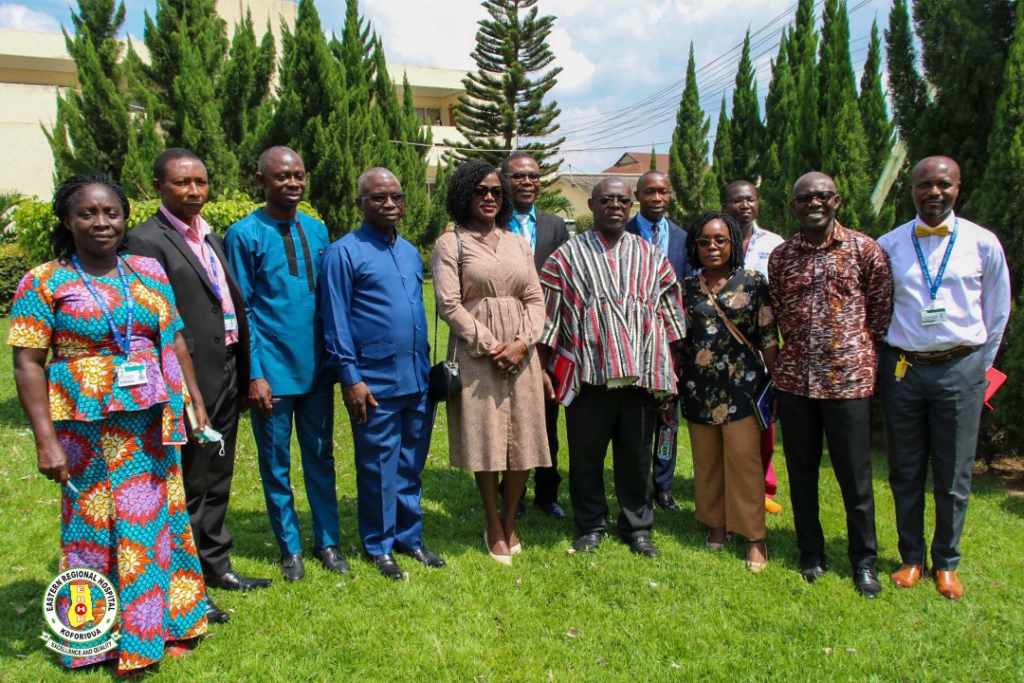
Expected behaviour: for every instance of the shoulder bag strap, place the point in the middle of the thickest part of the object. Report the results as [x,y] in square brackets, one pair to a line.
[733,330]
[433,360]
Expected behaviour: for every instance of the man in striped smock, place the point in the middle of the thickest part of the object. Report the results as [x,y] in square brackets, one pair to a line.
[613,301]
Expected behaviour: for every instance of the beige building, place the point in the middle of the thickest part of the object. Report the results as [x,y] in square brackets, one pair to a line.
[35,67]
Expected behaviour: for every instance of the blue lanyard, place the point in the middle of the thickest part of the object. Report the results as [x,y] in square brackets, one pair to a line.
[933,287]
[214,272]
[125,342]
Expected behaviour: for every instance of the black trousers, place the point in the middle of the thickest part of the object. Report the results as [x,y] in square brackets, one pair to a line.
[627,419]
[547,479]
[207,477]
[931,422]
[846,424]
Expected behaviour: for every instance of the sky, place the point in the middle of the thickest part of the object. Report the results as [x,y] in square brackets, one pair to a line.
[624,62]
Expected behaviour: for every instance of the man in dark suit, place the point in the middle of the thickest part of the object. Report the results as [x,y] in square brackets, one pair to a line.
[654,193]
[545,233]
[217,338]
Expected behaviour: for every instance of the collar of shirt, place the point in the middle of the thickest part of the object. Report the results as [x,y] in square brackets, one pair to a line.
[378,235]
[838,235]
[195,232]
[532,213]
[949,223]
[647,231]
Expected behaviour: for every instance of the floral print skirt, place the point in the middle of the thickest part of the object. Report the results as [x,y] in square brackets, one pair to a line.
[129,521]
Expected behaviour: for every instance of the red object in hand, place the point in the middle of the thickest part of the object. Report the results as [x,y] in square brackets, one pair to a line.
[995,380]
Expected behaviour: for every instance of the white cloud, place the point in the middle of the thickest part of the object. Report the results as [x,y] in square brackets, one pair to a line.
[577,69]
[22,18]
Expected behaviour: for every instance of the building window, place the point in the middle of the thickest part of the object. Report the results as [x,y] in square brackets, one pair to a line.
[428,116]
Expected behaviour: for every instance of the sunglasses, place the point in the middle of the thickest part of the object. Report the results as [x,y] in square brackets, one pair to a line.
[523,176]
[809,197]
[397,198]
[705,242]
[481,191]
[624,201]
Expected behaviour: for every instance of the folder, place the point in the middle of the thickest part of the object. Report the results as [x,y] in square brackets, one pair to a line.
[995,379]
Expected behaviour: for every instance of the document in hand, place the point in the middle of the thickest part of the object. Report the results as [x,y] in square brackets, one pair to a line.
[563,366]
[995,380]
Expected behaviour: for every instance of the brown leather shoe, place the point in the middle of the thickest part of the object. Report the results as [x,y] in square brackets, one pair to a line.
[949,586]
[907,575]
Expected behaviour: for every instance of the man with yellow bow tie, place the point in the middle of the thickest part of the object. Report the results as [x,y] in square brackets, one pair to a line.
[952,301]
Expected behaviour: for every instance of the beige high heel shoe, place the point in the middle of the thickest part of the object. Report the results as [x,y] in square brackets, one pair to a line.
[501,559]
[755,565]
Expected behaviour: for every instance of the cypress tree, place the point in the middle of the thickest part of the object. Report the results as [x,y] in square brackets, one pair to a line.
[722,155]
[504,100]
[438,206]
[1002,193]
[688,155]
[878,129]
[94,126]
[779,106]
[747,129]
[243,92]
[906,85]
[843,152]
[187,45]
[803,139]
[654,159]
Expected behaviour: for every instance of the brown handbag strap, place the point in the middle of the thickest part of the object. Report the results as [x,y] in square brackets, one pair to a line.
[733,330]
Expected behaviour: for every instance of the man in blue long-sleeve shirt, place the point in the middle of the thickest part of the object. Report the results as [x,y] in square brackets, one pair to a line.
[375,328]
[275,254]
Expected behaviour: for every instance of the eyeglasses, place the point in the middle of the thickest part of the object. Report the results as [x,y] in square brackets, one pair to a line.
[719,241]
[481,191]
[736,201]
[809,197]
[623,201]
[397,198]
[523,176]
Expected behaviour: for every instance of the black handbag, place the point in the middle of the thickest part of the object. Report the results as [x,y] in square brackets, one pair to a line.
[445,378]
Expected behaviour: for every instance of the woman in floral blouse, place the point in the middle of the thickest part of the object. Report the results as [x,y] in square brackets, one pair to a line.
[721,374]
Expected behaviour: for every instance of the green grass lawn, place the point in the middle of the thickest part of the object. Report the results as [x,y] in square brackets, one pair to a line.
[552,616]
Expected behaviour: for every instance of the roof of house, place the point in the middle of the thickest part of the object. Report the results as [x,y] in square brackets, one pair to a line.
[636,163]
[586,181]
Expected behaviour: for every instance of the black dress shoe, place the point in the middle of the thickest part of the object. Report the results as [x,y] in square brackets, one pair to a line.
[865,580]
[331,559]
[588,542]
[214,614]
[551,509]
[233,581]
[386,565]
[642,545]
[292,568]
[665,501]
[813,572]
[425,557]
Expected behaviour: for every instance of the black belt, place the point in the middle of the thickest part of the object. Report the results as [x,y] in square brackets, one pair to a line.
[936,357]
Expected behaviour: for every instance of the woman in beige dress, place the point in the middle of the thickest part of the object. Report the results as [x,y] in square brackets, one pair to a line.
[495,313]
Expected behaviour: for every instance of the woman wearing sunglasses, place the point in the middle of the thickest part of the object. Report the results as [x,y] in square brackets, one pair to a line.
[730,315]
[487,291]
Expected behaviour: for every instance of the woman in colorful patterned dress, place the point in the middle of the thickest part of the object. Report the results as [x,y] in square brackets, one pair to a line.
[721,373]
[106,413]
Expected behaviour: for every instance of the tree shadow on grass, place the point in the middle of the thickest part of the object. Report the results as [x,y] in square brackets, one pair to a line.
[21,603]
[11,414]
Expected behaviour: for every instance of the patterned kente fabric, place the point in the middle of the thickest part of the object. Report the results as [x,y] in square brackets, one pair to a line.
[128,518]
[617,308]
[832,303]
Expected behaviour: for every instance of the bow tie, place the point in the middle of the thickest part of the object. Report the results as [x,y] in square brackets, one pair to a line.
[924,230]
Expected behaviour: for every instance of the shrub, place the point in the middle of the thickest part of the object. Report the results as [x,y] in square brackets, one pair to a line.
[13,265]
[33,220]
[584,222]
[1002,431]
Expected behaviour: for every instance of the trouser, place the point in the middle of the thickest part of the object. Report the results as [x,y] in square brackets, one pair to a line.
[771,484]
[390,452]
[313,416]
[846,424]
[931,417]
[728,480]
[664,470]
[547,479]
[627,419]
[207,473]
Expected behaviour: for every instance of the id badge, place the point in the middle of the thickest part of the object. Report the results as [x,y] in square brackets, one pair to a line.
[131,375]
[230,322]
[933,316]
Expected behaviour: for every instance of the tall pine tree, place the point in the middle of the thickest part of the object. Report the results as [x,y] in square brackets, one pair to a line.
[843,151]
[747,129]
[878,129]
[722,155]
[688,155]
[504,100]
[907,87]
[803,140]
[776,174]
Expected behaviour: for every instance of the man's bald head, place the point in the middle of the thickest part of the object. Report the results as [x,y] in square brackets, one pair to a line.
[610,201]
[935,186]
[272,154]
[375,173]
[814,178]
[649,177]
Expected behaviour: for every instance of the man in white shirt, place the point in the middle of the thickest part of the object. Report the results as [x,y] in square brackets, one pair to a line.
[740,201]
[951,306]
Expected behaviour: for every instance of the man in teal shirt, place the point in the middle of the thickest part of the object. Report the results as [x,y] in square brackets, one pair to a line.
[275,254]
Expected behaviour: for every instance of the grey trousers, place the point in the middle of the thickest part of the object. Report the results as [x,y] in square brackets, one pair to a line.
[931,417]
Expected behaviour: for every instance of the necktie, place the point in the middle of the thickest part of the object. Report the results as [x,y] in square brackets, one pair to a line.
[523,219]
[924,230]
[656,234]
